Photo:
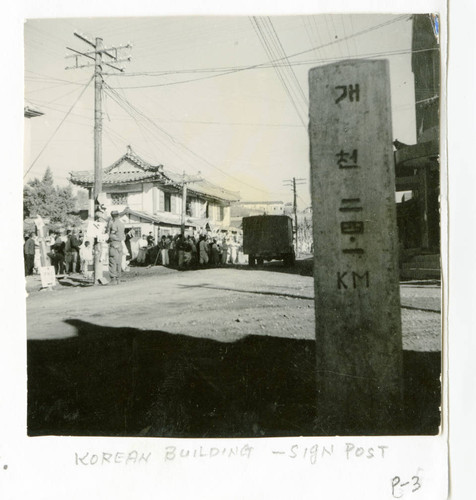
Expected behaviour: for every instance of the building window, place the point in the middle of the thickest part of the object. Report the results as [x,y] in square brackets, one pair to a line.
[136,230]
[119,198]
[167,202]
[221,214]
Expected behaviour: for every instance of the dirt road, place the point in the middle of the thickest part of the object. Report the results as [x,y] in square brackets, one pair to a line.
[208,353]
[223,304]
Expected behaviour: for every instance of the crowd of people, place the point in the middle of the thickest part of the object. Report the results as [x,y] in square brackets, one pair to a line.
[185,251]
[71,252]
[67,251]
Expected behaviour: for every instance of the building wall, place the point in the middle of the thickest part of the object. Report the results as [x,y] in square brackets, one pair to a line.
[175,204]
[227,217]
[135,200]
[150,198]
[133,197]
[426,69]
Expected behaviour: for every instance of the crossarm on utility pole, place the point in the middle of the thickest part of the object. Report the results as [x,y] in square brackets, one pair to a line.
[97,56]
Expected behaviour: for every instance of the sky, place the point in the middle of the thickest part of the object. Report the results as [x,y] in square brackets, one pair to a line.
[201,94]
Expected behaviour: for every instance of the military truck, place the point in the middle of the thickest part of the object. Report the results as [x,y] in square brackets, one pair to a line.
[268,237]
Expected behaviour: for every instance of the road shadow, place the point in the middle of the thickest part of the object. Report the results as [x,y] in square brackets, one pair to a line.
[256,292]
[302,267]
[128,382]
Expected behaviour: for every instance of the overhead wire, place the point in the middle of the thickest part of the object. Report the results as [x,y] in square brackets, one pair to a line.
[58,127]
[345,34]
[267,64]
[134,113]
[329,33]
[41,89]
[263,66]
[142,131]
[283,61]
[354,41]
[183,146]
[288,65]
[272,56]
[304,25]
[314,35]
[57,108]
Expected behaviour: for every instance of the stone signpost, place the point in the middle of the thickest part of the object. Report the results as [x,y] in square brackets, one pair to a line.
[47,271]
[358,325]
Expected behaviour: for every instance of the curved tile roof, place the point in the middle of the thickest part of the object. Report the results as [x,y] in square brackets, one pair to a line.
[130,168]
[86,178]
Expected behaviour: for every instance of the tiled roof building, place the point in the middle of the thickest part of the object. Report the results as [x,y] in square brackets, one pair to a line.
[151,195]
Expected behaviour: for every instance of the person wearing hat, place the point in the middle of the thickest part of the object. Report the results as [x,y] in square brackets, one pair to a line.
[29,253]
[116,232]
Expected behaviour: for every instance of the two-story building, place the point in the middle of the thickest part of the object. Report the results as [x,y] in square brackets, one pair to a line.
[149,197]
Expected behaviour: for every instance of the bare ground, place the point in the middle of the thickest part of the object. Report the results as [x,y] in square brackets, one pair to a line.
[215,352]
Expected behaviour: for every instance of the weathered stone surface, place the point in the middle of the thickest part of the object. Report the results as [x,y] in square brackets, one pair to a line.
[358,326]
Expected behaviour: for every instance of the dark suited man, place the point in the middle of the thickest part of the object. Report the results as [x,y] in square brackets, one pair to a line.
[115,230]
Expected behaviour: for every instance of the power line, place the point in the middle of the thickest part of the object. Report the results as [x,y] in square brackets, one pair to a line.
[58,127]
[273,57]
[45,88]
[287,63]
[336,37]
[229,70]
[178,143]
[345,34]
[133,113]
[268,64]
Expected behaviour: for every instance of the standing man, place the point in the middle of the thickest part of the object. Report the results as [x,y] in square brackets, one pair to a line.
[57,254]
[87,259]
[75,243]
[150,240]
[180,247]
[164,245]
[67,251]
[116,233]
[203,251]
[129,236]
[187,251]
[29,252]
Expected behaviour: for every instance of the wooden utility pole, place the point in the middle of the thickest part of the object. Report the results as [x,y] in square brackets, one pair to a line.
[185,181]
[293,183]
[98,119]
[184,205]
[356,282]
[97,55]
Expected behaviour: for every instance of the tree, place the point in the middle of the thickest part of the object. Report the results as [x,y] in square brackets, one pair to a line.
[41,197]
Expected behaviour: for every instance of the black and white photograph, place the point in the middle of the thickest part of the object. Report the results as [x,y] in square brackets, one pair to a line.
[232,226]
[233,254]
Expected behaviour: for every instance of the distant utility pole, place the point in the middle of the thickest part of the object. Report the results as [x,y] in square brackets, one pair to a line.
[186,181]
[111,58]
[293,183]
